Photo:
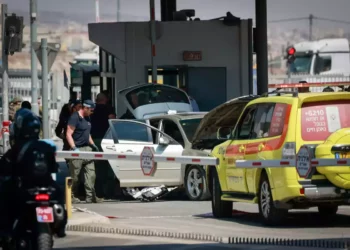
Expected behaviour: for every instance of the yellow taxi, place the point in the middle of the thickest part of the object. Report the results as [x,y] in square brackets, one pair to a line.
[274,127]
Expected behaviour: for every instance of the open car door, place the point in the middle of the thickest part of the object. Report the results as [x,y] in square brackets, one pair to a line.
[108,146]
[131,136]
[146,100]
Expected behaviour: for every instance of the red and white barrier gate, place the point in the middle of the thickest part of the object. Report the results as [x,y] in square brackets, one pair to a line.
[303,164]
[146,155]
[292,163]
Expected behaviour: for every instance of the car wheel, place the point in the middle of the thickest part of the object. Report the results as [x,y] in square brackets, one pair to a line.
[220,208]
[329,210]
[195,184]
[267,210]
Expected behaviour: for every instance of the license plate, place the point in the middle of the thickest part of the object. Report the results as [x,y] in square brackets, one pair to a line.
[44,214]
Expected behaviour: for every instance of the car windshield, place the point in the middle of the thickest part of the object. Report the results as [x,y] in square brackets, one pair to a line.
[301,64]
[190,126]
[155,94]
[319,120]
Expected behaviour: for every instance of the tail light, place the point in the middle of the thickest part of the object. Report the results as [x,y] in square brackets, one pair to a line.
[42,197]
[288,151]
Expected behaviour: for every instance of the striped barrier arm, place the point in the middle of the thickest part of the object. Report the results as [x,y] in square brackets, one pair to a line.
[194,160]
[291,163]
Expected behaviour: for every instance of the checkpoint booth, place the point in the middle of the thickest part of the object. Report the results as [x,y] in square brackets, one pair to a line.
[85,80]
[211,59]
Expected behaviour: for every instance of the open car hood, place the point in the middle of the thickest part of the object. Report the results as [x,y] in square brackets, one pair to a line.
[146,100]
[225,115]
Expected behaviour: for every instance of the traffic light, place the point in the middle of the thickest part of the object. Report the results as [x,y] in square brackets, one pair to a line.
[13,34]
[290,54]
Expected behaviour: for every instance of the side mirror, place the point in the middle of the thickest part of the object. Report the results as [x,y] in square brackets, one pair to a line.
[224,133]
[164,141]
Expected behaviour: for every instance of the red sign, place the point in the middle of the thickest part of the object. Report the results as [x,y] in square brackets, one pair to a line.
[278,118]
[192,56]
[319,121]
[148,165]
[44,214]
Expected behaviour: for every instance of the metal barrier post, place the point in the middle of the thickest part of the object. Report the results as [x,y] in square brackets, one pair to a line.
[68,192]
[6,135]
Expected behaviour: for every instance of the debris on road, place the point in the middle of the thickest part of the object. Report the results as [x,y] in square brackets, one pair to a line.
[149,193]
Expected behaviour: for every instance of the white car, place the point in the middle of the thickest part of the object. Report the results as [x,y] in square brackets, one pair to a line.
[155,126]
[186,133]
[170,135]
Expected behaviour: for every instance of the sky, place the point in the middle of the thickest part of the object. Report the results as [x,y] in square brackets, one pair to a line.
[138,10]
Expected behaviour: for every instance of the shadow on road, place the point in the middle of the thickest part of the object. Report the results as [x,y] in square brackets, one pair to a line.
[305,219]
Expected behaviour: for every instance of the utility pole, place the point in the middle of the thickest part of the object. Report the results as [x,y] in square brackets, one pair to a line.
[311,19]
[34,69]
[5,80]
[5,85]
[153,40]
[45,88]
[97,10]
[118,11]
[261,48]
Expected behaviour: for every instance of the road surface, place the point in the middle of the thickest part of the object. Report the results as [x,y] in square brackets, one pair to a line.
[82,241]
[196,217]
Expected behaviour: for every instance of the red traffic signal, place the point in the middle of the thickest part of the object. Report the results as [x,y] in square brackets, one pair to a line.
[290,54]
[291,50]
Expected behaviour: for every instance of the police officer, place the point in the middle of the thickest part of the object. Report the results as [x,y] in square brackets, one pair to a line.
[79,139]
[25,159]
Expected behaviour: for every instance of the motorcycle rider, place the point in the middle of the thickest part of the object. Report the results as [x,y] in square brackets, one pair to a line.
[31,159]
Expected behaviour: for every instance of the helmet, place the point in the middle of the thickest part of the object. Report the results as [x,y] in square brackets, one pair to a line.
[26,125]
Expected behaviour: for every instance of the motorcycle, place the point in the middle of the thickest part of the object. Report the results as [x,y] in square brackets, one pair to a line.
[38,218]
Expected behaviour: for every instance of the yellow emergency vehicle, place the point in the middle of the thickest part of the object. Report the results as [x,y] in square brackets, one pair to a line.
[274,127]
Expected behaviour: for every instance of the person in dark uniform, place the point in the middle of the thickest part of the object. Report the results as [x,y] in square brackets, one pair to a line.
[79,139]
[99,119]
[99,126]
[61,127]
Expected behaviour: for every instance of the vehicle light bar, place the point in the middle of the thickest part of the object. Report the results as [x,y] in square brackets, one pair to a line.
[311,84]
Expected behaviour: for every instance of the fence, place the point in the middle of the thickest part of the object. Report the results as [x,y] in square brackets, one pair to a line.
[320,80]
[20,85]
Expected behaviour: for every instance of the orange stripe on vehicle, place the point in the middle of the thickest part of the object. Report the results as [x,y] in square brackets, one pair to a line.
[270,144]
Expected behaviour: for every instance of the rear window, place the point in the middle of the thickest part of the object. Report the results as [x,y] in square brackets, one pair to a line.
[320,119]
[155,94]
